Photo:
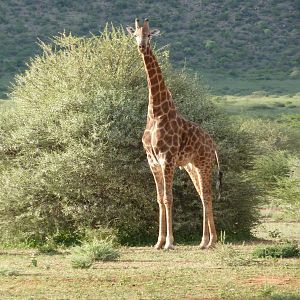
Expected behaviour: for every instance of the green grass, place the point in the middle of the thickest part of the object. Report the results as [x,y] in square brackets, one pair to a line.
[260,104]
[5,103]
[284,230]
[222,84]
[282,214]
[228,272]
[8,272]
[148,274]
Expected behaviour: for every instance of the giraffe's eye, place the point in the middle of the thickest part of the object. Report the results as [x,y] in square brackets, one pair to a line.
[149,35]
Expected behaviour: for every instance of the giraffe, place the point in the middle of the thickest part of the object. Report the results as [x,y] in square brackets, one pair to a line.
[170,141]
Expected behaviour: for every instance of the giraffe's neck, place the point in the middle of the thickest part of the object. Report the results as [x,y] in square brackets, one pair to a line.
[160,99]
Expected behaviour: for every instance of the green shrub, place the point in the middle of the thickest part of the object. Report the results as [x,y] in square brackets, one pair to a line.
[259,106]
[259,94]
[268,168]
[279,104]
[285,297]
[107,234]
[277,251]
[226,255]
[267,136]
[9,272]
[274,170]
[276,173]
[295,73]
[286,192]
[103,251]
[81,260]
[99,250]
[49,247]
[71,156]
[210,44]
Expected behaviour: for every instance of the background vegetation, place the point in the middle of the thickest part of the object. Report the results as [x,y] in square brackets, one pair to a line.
[254,41]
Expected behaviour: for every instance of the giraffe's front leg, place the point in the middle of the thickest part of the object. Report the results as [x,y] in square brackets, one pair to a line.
[162,227]
[158,178]
[168,172]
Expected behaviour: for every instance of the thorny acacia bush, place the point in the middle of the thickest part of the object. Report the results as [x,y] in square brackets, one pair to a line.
[71,156]
[276,165]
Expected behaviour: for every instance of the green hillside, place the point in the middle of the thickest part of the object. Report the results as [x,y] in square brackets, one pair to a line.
[238,38]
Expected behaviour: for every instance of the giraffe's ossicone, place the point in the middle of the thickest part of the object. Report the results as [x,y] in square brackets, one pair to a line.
[170,141]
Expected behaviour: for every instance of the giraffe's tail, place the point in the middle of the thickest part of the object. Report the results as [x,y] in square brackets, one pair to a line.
[220,175]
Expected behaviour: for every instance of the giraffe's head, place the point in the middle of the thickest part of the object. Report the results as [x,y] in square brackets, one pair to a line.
[142,34]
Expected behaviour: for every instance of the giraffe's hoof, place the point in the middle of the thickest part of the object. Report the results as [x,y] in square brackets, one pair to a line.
[210,246]
[203,245]
[169,247]
[159,245]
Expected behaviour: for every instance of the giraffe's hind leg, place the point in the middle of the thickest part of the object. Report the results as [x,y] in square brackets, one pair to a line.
[201,178]
[195,177]
[206,184]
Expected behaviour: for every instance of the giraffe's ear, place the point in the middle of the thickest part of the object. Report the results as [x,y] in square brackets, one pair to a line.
[154,32]
[130,30]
